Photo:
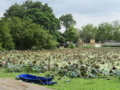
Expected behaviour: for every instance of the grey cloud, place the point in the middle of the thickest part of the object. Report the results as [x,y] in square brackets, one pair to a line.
[96,9]
[91,7]
[84,6]
[73,6]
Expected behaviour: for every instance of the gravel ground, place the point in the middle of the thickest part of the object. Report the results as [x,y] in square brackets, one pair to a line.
[11,84]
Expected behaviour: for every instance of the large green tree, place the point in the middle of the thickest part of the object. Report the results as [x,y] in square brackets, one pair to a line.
[39,13]
[26,34]
[67,20]
[105,32]
[116,30]
[88,32]
[6,41]
[71,34]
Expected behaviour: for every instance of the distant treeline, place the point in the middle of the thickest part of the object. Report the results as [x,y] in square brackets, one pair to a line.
[32,25]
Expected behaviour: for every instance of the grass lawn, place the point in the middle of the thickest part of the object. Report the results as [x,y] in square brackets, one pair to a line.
[87,84]
[76,83]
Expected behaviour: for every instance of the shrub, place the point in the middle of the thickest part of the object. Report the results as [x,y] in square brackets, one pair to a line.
[71,45]
[14,68]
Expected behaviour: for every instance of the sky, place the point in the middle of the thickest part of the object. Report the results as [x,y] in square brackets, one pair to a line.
[83,11]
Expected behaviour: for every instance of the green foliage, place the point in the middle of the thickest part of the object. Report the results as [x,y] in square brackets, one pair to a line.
[23,68]
[13,68]
[88,68]
[88,32]
[59,37]
[71,45]
[67,20]
[108,31]
[105,32]
[28,68]
[71,34]
[73,63]
[116,28]
[39,13]
[1,49]
[26,35]
[31,68]
[6,40]
[44,40]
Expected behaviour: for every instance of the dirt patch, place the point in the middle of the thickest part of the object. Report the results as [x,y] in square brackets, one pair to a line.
[11,84]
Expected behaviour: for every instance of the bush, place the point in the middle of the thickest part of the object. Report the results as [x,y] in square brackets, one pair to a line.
[13,68]
[71,45]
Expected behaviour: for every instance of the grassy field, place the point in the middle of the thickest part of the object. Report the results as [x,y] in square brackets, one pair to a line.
[106,83]
[88,84]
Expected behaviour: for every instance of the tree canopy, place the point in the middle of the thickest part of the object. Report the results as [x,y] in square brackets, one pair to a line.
[105,31]
[88,32]
[67,20]
[71,34]
[39,13]
[6,40]
[24,34]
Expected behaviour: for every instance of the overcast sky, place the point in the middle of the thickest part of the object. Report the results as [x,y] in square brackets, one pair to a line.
[83,11]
